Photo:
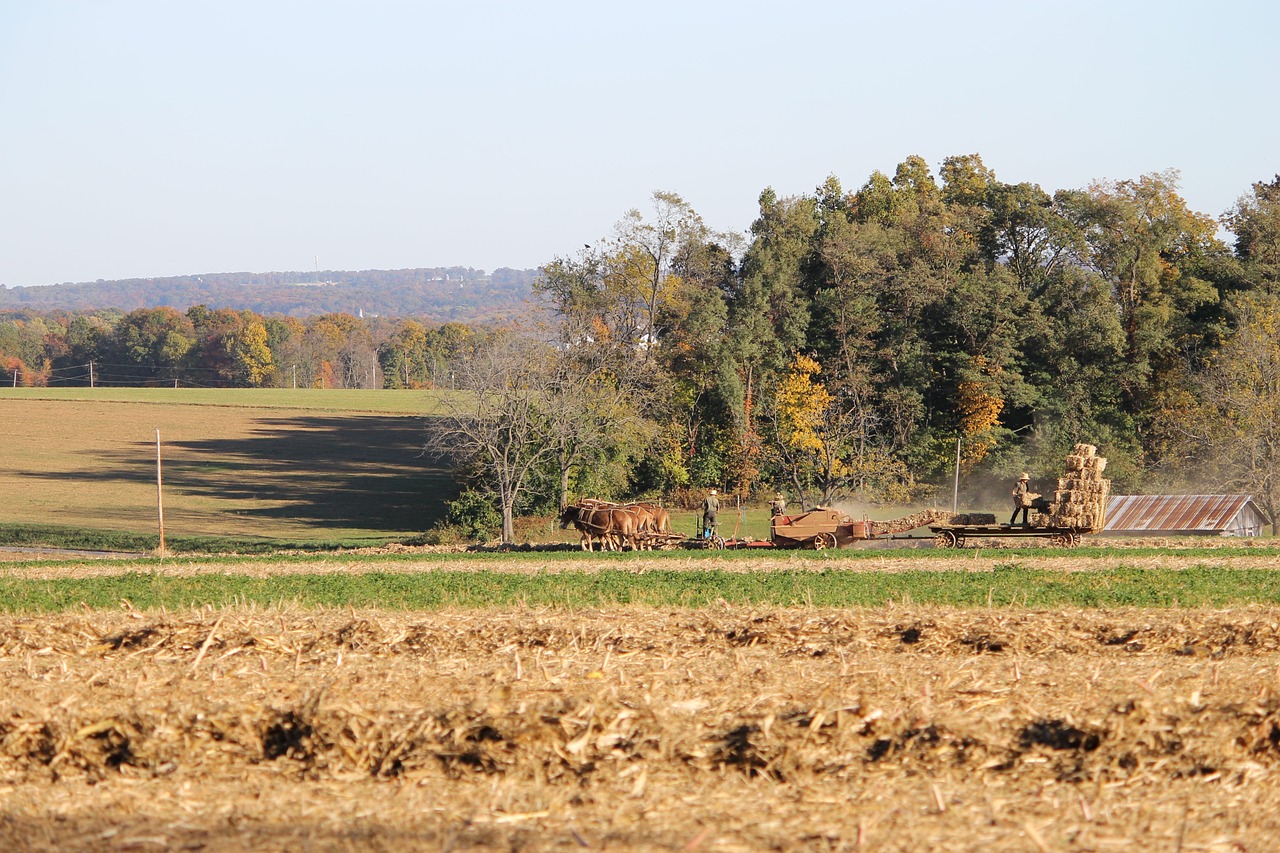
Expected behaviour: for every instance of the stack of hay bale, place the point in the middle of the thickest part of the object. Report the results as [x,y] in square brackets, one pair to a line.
[1081,499]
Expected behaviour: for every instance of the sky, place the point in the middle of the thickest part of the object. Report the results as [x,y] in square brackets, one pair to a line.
[149,139]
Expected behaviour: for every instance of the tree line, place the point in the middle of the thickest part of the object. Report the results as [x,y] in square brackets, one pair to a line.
[227,348]
[857,341]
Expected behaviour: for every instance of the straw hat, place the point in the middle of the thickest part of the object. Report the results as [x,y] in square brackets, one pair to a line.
[713,491]
[1025,476]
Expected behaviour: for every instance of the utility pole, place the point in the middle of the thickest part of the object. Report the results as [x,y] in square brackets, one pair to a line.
[159,493]
[955,496]
[91,385]
[295,377]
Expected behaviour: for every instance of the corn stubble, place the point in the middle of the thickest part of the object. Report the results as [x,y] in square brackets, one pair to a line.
[901,728]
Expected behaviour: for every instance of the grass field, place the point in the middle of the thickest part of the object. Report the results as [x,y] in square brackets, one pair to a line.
[266,464]
[312,399]
[422,582]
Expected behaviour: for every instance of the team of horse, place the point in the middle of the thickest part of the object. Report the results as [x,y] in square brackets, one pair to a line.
[616,525]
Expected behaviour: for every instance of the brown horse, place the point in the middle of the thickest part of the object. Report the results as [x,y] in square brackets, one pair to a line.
[612,525]
[658,520]
[650,518]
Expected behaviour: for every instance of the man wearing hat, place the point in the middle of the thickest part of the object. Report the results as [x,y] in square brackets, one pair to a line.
[1020,502]
[777,506]
[710,507]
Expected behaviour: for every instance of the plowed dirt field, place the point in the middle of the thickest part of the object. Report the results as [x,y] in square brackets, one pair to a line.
[898,728]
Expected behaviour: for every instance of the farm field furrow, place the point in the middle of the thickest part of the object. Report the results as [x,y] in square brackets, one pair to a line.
[626,728]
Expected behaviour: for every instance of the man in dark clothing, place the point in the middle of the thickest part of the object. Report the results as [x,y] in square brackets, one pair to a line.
[710,507]
[1020,502]
[777,506]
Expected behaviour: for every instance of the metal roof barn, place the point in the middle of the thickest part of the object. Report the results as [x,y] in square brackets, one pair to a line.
[1188,515]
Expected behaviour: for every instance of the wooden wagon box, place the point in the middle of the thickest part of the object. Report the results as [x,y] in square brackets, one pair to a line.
[817,528]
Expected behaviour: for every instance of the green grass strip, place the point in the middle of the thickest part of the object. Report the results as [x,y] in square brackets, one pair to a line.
[90,539]
[1199,586]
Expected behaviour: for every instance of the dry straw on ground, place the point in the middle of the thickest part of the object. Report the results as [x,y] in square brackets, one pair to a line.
[903,728]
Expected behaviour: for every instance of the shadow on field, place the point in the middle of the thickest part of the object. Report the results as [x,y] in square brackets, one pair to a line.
[342,472]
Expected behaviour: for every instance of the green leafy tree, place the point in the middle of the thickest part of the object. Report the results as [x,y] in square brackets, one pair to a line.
[153,343]
[1255,222]
[1025,232]
[1139,233]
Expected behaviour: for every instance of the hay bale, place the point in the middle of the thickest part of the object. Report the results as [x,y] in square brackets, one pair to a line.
[1080,500]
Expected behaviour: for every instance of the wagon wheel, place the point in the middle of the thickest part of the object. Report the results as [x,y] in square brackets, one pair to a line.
[1075,539]
[716,543]
[1062,540]
[823,541]
[947,539]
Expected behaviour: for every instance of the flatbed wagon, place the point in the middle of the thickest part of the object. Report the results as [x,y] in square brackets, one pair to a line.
[954,536]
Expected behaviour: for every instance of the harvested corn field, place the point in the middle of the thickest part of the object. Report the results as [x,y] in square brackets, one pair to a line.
[733,728]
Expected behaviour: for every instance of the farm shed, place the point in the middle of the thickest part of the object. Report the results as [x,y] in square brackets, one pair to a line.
[1184,515]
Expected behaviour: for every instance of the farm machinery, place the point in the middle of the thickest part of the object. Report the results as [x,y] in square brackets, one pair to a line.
[1077,508]
[823,528]
[818,528]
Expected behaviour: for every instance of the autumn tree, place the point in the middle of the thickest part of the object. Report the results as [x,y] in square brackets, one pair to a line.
[821,450]
[153,343]
[251,358]
[1228,426]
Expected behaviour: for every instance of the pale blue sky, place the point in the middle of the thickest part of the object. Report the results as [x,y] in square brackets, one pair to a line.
[184,136]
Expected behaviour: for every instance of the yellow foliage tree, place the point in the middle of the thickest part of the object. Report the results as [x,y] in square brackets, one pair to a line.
[802,404]
[980,405]
[824,448]
[252,356]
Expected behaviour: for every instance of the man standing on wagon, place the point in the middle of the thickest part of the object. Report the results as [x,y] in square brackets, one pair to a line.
[710,507]
[1020,501]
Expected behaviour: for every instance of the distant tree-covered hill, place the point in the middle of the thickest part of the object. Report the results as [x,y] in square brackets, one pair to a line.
[458,294]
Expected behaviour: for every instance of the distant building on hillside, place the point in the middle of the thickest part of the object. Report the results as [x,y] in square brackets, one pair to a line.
[1183,515]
